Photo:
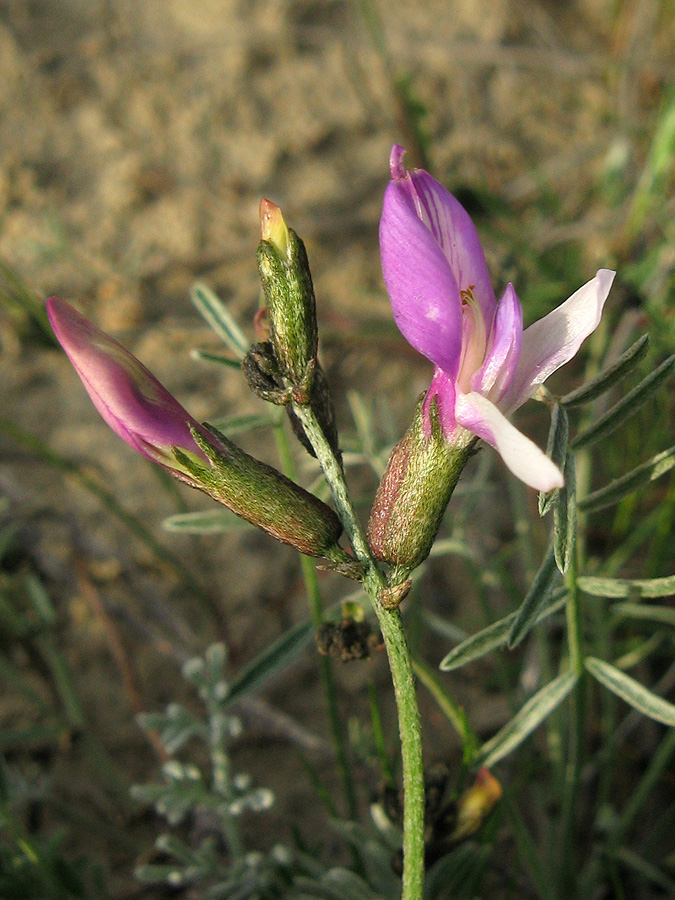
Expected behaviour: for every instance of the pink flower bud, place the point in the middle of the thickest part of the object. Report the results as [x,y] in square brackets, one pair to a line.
[129,397]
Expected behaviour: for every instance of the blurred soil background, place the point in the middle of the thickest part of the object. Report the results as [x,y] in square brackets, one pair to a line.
[136,141]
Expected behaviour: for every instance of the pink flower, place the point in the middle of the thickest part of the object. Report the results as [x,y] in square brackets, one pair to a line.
[486,366]
[129,397]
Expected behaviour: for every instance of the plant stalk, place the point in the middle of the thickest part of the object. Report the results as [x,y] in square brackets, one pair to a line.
[400,663]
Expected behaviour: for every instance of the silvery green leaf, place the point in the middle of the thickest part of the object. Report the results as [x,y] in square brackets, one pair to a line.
[630,690]
[274,658]
[556,449]
[609,376]
[627,587]
[526,616]
[496,635]
[212,521]
[565,518]
[176,727]
[621,487]
[219,318]
[626,407]
[478,645]
[527,719]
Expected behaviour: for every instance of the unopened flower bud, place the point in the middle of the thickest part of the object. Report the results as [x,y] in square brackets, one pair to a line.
[476,803]
[289,294]
[129,398]
[416,487]
[295,373]
[150,420]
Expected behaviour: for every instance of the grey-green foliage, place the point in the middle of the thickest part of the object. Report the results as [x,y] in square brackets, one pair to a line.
[216,864]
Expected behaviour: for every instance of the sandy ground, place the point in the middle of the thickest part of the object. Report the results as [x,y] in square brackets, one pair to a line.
[136,141]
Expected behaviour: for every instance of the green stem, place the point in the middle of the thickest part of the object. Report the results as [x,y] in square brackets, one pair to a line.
[400,664]
[573,768]
[316,611]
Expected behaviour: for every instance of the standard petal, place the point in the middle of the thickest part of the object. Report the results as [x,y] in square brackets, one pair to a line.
[424,295]
[501,359]
[555,339]
[129,398]
[456,235]
[527,462]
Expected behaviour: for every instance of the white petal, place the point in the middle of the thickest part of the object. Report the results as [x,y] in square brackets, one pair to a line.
[555,339]
[520,454]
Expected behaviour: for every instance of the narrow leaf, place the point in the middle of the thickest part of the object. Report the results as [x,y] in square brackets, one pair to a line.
[526,616]
[565,518]
[556,448]
[524,722]
[626,407]
[627,587]
[495,635]
[621,487]
[219,318]
[213,521]
[663,614]
[449,707]
[273,659]
[630,690]
[609,376]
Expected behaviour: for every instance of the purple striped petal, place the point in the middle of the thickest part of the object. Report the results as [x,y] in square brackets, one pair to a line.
[128,397]
[452,228]
[424,296]
[552,341]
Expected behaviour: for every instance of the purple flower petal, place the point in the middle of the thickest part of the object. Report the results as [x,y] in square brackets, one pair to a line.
[424,295]
[128,397]
[527,462]
[501,358]
[452,229]
[442,389]
[555,339]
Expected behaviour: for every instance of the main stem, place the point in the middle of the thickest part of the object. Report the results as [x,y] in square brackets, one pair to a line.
[400,663]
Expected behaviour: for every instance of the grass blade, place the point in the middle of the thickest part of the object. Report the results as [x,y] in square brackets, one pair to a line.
[630,690]
[219,318]
[524,722]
